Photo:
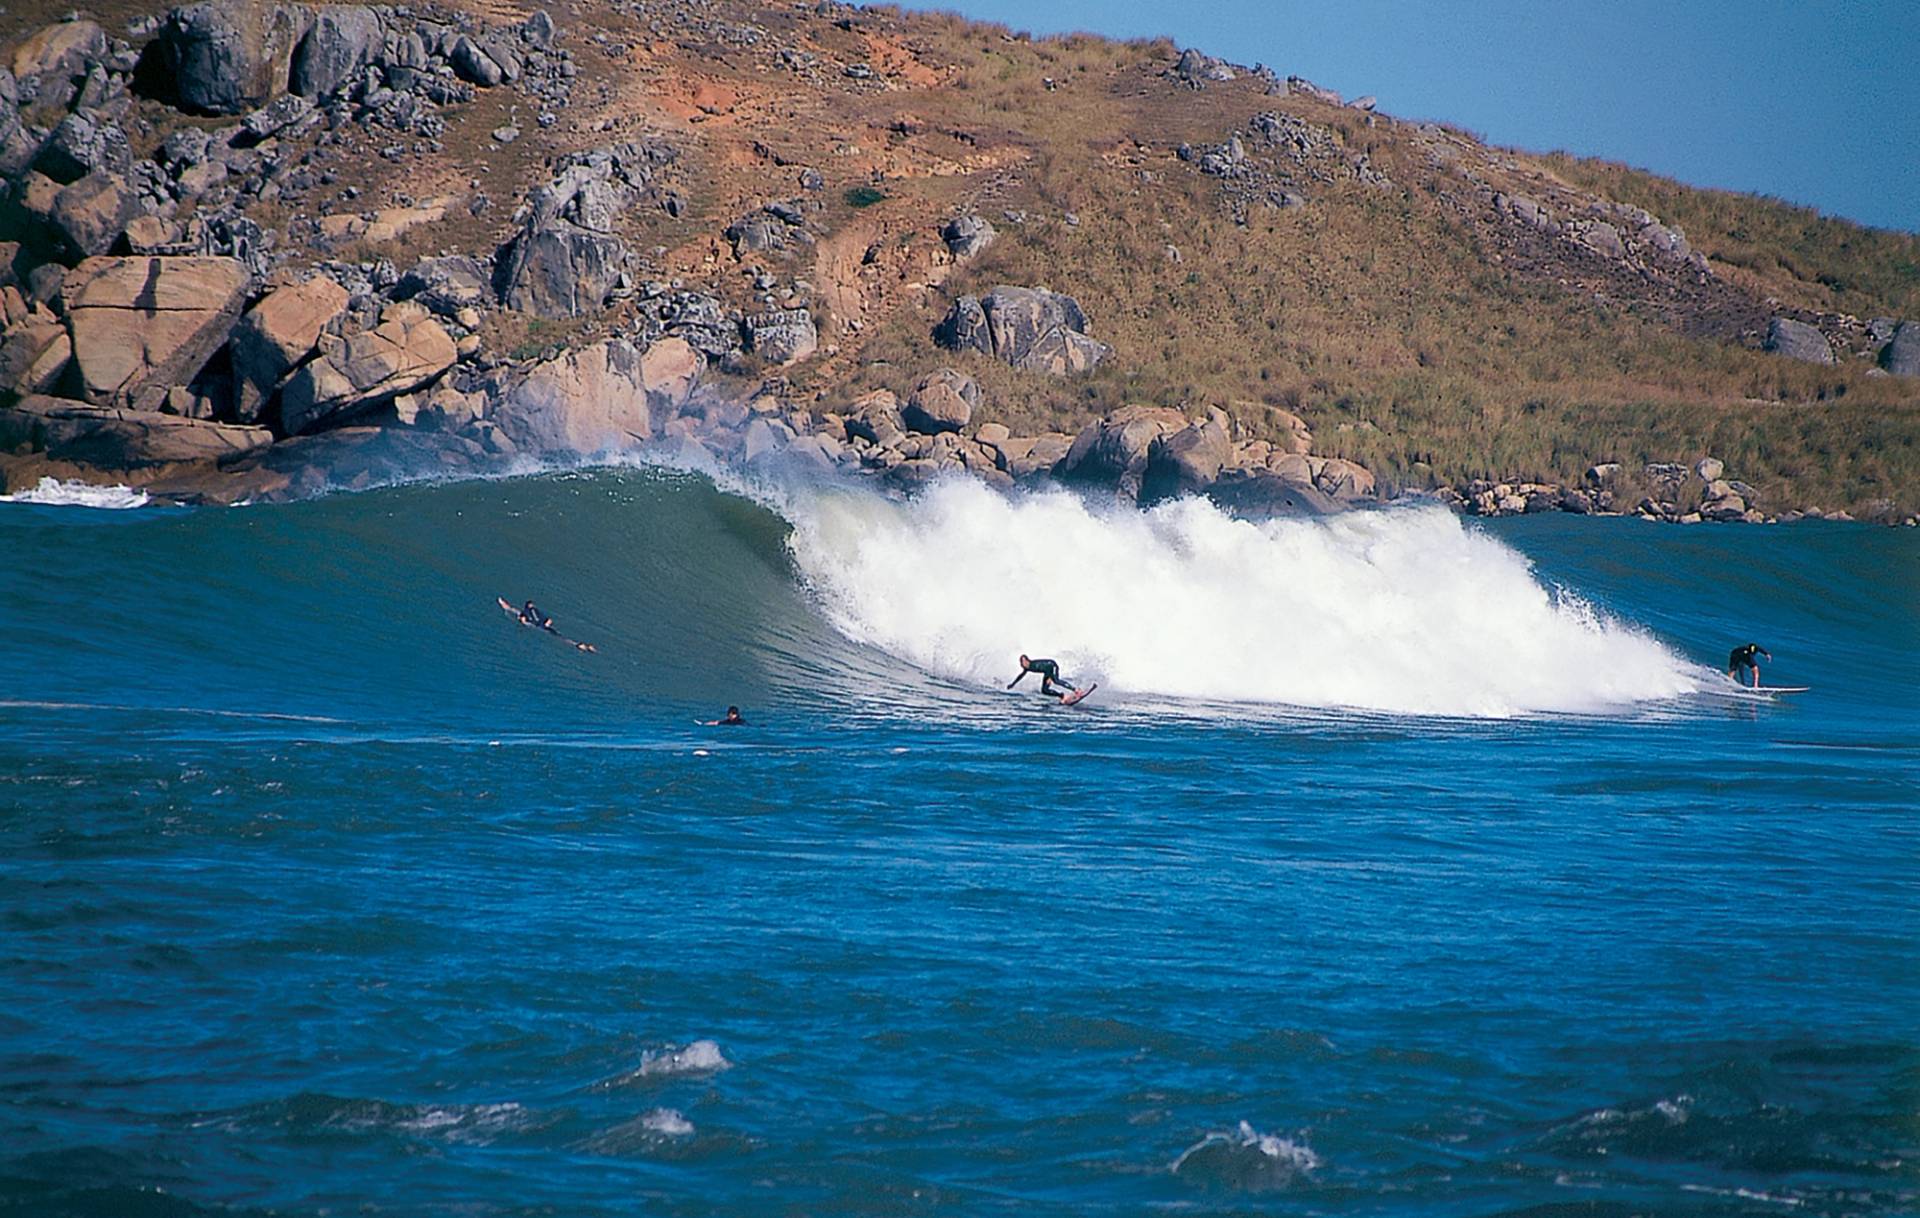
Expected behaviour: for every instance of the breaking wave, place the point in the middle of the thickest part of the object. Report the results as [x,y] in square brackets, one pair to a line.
[1407,611]
[53,492]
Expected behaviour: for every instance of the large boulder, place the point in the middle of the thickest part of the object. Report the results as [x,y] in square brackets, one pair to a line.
[1262,494]
[1031,328]
[79,146]
[671,369]
[230,56]
[34,353]
[50,62]
[276,335]
[354,374]
[112,438]
[1113,451]
[875,418]
[89,215]
[783,336]
[1062,352]
[943,401]
[1186,461]
[447,285]
[967,236]
[345,38]
[566,260]
[1798,340]
[1342,479]
[585,402]
[965,327]
[1902,356]
[560,270]
[1020,317]
[145,323]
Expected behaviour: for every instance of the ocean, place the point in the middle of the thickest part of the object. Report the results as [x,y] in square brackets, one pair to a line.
[1401,864]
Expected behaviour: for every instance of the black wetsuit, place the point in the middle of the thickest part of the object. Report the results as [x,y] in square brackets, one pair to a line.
[1741,658]
[1049,676]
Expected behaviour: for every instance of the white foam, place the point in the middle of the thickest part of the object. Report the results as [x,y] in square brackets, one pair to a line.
[1403,611]
[1281,1155]
[699,1057]
[79,494]
[667,1122]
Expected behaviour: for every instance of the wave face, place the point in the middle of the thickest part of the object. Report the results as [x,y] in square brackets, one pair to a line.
[1402,611]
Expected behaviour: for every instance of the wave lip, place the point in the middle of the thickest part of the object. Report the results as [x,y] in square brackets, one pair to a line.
[1246,1159]
[1401,611]
[53,492]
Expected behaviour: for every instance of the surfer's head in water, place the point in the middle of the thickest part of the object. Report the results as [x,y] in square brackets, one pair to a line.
[1742,659]
[734,718]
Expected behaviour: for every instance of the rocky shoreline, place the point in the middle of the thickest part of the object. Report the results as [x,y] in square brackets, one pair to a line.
[184,312]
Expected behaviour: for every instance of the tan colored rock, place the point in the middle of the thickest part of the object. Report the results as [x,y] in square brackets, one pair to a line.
[388,225]
[1186,461]
[33,352]
[64,47]
[149,234]
[90,214]
[1345,480]
[148,321]
[276,335]
[1113,449]
[584,402]
[13,307]
[405,351]
[37,195]
[942,402]
[1292,466]
[671,368]
[112,438]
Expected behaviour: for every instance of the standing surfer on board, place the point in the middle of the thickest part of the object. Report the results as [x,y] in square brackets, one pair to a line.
[1051,682]
[1742,658]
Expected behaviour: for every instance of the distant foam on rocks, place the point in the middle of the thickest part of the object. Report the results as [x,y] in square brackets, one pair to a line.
[1406,611]
[78,494]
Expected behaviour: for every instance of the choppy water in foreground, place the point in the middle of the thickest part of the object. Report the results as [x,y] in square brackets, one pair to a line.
[326,888]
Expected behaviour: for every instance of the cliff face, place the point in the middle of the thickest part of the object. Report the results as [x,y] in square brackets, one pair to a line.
[256,248]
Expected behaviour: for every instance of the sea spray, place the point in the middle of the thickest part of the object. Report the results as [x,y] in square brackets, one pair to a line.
[1407,611]
[53,492]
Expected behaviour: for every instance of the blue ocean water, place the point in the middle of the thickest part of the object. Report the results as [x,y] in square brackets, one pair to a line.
[1400,865]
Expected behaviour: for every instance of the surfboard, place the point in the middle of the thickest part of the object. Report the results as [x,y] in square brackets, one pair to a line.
[1779,689]
[1079,695]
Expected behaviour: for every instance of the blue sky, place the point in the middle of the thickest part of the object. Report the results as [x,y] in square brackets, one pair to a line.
[1817,102]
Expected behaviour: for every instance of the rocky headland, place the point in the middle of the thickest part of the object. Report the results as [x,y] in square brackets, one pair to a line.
[255,250]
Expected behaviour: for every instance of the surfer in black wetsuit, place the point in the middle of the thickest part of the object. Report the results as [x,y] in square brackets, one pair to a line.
[1742,658]
[734,719]
[1051,682]
[531,616]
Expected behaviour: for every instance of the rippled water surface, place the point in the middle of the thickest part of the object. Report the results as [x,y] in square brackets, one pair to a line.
[325,887]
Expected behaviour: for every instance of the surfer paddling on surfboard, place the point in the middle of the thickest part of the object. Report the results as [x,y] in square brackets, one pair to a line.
[530,615]
[1742,660]
[1051,682]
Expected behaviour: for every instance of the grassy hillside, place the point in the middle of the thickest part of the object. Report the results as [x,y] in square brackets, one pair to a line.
[1379,316]
[1372,276]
